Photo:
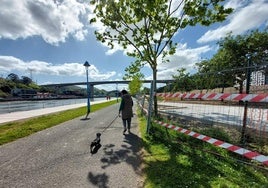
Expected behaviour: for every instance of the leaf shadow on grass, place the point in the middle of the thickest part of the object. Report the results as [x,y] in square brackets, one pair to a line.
[188,164]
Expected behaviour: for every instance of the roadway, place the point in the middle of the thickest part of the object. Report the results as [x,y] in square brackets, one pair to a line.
[60,157]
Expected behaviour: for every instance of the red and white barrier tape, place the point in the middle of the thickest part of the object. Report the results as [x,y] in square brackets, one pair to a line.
[143,109]
[236,149]
[218,96]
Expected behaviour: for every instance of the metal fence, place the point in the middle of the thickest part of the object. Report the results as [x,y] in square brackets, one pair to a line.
[240,118]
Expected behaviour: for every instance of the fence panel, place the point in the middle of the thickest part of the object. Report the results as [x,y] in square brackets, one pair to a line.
[240,111]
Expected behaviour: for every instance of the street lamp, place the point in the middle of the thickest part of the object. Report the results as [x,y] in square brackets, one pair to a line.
[116,92]
[86,64]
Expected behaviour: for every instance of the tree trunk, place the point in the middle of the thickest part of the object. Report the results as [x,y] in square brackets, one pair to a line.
[241,87]
[155,98]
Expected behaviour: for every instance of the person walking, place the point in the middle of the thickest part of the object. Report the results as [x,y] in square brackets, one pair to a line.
[125,110]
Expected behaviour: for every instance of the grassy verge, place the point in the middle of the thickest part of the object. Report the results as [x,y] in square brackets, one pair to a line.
[173,159]
[19,129]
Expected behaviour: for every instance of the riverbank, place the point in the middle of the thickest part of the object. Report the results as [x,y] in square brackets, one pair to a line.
[17,106]
[15,116]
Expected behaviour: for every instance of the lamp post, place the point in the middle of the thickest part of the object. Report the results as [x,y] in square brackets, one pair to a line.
[86,64]
[116,92]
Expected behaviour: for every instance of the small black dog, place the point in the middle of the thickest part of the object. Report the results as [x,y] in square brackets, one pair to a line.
[95,145]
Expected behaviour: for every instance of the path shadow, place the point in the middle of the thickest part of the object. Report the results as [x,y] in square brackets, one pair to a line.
[86,118]
[100,180]
[129,153]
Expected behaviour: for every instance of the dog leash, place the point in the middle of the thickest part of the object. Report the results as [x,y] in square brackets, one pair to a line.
[109,125]
[95,145]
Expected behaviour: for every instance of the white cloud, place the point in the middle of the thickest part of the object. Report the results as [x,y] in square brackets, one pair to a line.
[10,64]
[183,58]
[95,74]
[243,19]
[236,4]
[53,20]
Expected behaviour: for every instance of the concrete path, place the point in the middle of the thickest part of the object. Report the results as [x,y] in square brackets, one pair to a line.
[14,116]
[60,156]
[257,118]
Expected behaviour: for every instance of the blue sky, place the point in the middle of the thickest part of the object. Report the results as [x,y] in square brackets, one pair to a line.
[49,40]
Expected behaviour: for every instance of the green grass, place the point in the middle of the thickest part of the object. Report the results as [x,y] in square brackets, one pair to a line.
[19,129]
[173,159]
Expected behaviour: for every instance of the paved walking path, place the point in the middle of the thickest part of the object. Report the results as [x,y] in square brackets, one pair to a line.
[60,156]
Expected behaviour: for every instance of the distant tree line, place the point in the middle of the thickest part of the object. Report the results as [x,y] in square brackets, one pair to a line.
[13,81]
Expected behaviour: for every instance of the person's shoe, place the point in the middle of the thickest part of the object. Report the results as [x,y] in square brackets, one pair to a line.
[129,131]
[124,132]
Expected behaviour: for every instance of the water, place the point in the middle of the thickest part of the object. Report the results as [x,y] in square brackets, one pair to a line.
[15,106]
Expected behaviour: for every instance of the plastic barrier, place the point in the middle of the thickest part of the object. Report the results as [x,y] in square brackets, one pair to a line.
[217,96]
[236,149]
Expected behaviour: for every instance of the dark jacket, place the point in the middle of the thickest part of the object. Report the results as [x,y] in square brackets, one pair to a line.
[126,106]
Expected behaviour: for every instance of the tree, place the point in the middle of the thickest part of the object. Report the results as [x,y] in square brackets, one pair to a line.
[215,71]
[182,81]
[135,85]
[147,27]
[146,91]
[198,81]
[6,86]
[135,76]
[205,74]
[133,71]
[238,53]
[26,80]
[229,65]
[13,77]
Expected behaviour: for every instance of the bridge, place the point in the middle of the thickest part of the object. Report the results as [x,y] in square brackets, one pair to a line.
[93,83]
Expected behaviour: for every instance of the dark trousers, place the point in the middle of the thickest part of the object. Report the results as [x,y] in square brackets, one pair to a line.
[126,123]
